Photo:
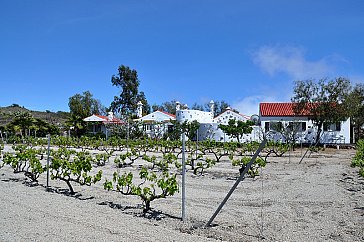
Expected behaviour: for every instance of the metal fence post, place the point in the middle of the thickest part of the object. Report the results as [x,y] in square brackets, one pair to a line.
[48,157]
[183,178]
[241,177]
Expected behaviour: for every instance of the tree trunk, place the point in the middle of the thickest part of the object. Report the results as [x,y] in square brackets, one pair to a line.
[319,130]
[72,192]
[147,206]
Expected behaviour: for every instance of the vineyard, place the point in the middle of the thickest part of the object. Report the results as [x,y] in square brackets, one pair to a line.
[140,181]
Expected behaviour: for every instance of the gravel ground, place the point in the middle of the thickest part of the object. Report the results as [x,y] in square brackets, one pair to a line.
[321,199]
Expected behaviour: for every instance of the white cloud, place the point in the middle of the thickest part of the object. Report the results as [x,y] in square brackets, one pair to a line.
[291,61]
[250,105]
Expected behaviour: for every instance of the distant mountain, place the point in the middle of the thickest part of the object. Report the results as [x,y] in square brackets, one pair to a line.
[7,114]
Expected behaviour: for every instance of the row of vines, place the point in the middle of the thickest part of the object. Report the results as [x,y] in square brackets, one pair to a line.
[145,168]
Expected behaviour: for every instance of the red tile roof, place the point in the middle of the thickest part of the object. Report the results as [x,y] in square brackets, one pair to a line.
[114,120]
[100,116]
[169,114]
[277,109]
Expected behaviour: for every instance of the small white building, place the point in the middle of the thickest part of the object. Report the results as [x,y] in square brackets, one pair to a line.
[99,122]
[224,119]
[228,114]
[206,120]
[274,115]
[155,124]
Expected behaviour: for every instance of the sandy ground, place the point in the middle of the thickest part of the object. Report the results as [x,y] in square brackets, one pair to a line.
[321,199]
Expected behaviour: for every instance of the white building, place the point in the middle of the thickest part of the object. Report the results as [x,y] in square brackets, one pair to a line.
[228,114]
[206,120]
[99,122]
[273,115]
[209,125]
[224,118]
[155,124]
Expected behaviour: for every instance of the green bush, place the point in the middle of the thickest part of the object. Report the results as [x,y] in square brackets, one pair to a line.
[25,160]
[73,168]
[152,185]
[253,170]
[358,160]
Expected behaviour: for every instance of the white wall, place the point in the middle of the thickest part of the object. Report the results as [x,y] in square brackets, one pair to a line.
[191,115]
[309,135]
[227,115]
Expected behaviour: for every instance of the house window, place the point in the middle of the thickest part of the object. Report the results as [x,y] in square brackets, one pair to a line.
[332,127]
[326,127]
[297,126]
[98,128]
[338,126]
[303,124]
[266,126]
[276,126]
[146,127]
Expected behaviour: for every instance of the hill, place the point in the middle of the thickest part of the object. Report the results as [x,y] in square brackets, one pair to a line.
[7,113]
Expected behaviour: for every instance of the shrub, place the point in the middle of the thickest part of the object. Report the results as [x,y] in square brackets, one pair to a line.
[76,169]
[25,160]
[150,186]
[253,170]
[358,160]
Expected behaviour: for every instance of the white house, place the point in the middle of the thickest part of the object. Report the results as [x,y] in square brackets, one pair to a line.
[206,120]
[155,124]
[189,115]
[209,124]
[228,114]
[273,115]
[99,122]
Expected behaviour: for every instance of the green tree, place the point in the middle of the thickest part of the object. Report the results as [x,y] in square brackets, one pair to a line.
[237,128]
[146,107]
[126,103]
[42,128]
[22,122]
[289,131]
[355,105]
[82,106]
[190,128]
[200,107]
[85,105]
[169,107]
[323,101]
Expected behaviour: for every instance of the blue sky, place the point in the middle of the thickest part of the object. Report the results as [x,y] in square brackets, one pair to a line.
[243,52]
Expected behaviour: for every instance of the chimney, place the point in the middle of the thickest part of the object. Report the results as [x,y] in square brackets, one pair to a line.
[110,116]
[178,106]
[212,107]
[140,109]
